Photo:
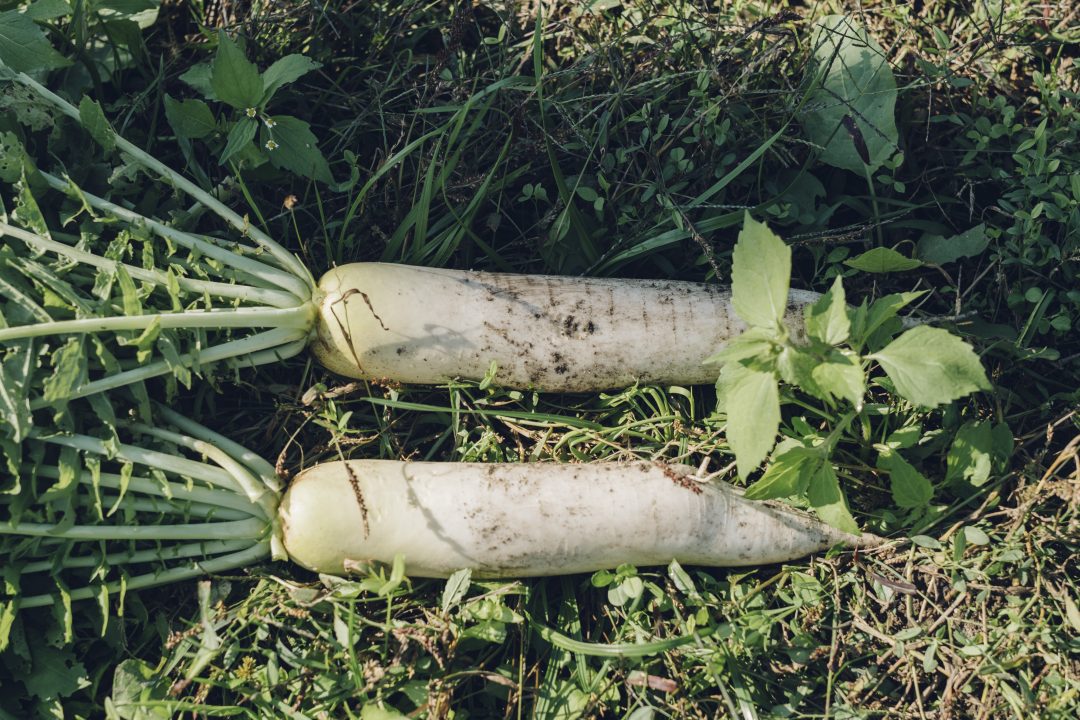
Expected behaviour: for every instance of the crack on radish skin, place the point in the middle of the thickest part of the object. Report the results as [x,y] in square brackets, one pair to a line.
[359,494]
[343,327]
[367,301]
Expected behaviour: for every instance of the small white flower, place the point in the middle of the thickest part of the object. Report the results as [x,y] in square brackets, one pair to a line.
[270,145]
[251,112]
[269,122]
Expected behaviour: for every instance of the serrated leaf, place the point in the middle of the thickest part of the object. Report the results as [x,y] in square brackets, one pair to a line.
[970,457]
[284,71]
[234,78]
[9,609]
[55,673]
[456,587]
[13,160]
[752,401]
[910,488]
[840,374]
[94,121]
[930,366]
[297,149]
[882,260]
[788,474]
[851,115]
[15,375]
[761,271]
[827,319]
[190,118]
[752,342]
[69,371]
[27,211]
[828,501]
[796,366]
[940,250]
[241,135]
[24,46]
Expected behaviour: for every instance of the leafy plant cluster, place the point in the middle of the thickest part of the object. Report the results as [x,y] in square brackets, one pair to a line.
[248,135]
[927,367]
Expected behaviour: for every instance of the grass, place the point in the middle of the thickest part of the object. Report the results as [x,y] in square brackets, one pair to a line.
[576,137]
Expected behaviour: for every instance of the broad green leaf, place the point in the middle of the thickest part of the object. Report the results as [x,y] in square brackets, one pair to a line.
[23,45]
[930,366]
[753,342]
[241,135]
[882,260]
[796,366]
[752,402]
[788,474]
[761,271]
[234,78]
[970,457]
[285,71]
[1003,443]
[55,673]
[851,115]
[135,689]
[297,150]
[904,437]
[939,250]
[827,319]
[94,121]
[976,536]
[190,118]
[827,499]
[840,374]
[48,9]
[199,77]
[910,488]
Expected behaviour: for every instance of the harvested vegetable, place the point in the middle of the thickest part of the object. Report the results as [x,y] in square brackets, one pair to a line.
[531,519]
[207,300]
[103,515]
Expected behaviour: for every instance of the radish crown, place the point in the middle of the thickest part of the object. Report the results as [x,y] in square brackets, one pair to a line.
[110,295]
[95,514]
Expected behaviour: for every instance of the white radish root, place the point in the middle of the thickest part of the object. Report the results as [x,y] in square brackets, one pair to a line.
[570,334]
[521,520]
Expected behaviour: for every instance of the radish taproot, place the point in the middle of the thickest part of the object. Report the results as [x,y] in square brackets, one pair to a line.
[571,334]
[535,519]
[174,500]
[251,301]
